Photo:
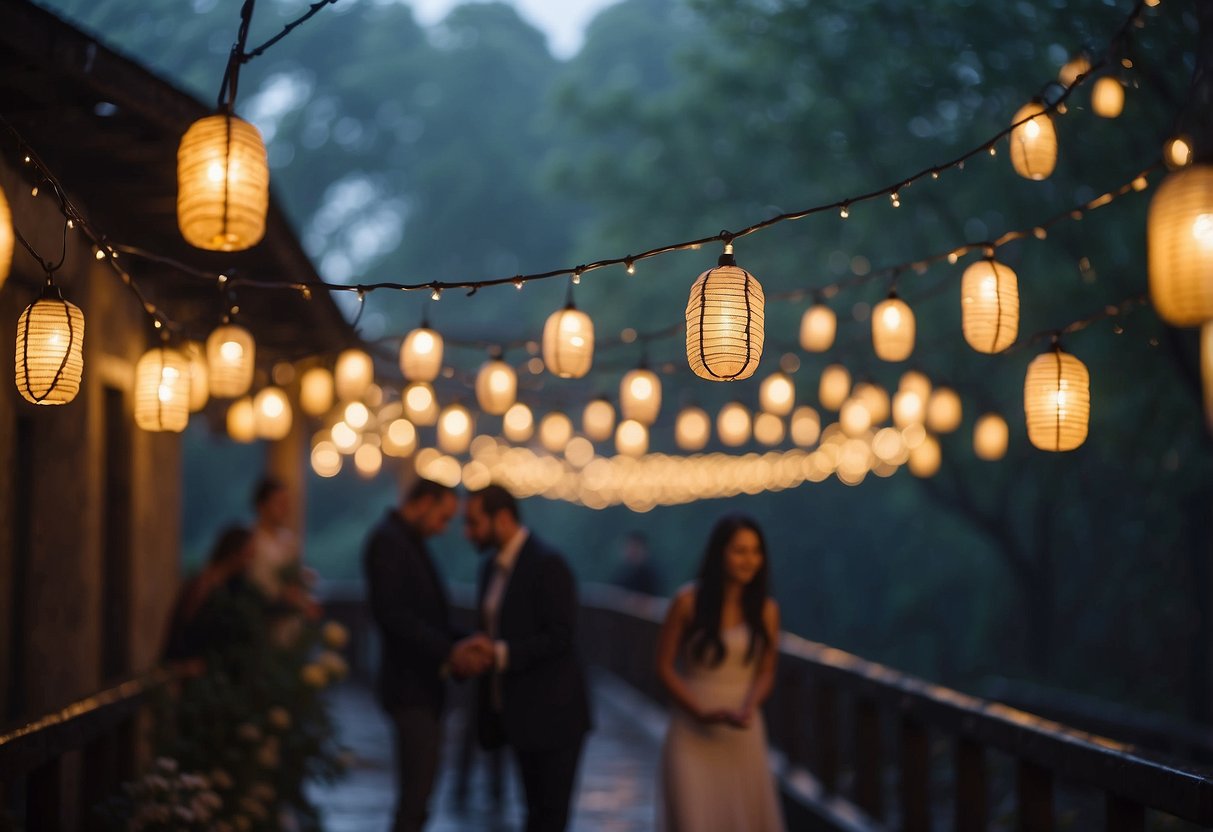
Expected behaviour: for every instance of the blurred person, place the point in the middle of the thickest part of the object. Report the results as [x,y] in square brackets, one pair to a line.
[638,573]
[276,551]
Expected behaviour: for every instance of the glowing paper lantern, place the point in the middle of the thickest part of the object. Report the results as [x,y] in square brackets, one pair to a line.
[1033,143]
[990,437]
[326,461]
[835,386]
[272,414]
[769,429]
[230,355]
[925,458]
[400,438]
[1057,401]
[944,410]
[733,425]
[555,431]
[724,320]
[989,306]
[354,374]
[692,429]
[893,329]
[496,387]
[223,184]
[162,391]
[455,429]
[345,438]
[420,404]
[909,408]
[1179,235]
[356,415]
[817,328]
[50,350]
[200,386]
[1078,65]
[421,354]
[598,420]
[875,398]
[854,418]
[368,459]
[568,342]
[242,421]
[1177,153]
[316,391]
[917,382]
[777,394]
[631,438]
[518,425]
[806,426]
[1108,97]
[640,396]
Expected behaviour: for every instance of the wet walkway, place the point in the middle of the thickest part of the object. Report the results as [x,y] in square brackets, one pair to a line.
[618,777]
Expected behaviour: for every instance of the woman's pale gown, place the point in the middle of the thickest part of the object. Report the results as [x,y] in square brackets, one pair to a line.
[717,778]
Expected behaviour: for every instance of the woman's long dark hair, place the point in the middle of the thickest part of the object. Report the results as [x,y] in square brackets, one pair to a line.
[703,635]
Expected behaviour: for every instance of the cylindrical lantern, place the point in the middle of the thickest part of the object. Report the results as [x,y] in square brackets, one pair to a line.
[875,398]
[399,438]
[817,328]
[1108,97]
[200,385]
[242,421]
[1179,235]
[1080,64]
[230,360]
[692,429]
[1177,152]
[640,396]
[421,354]
[806,426]
[989,306]
[518,424]
[316,391]
[355,373]
[835,386]
[893,329]
[345,438]
[326,460]
[420,404]
[1057,401]
[496,387]
[1034,142]
[854,418]
[6,238]
[944,410]
[162,390]
[368,459]
[568,342]
[990,437]
[454,429]
[777,394]
[768,429]
[733,425]
[555,431]
[223,184]
[916,381]
[909,408]
[50,350]
[925,458]
[725,318]
[356,415]
[272,414]
[598,420]
[631,438]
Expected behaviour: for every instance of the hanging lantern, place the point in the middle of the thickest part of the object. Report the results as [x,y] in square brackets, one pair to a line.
[925,458]
[555,431]
[1080,64]
[817,328]
[421,354]
[1108,97]
[568,342]
[854,418]
[1179,236]
[989,306]
[420,404]
[1057,401]
[944,410]
[990,437]
[400,438]
[200,386]
[917,382]
[272,414]
[733,425]
[316,391]
[518,425]
[806,426]
[326,461]
[835,387]
[909,408]
[777,394]
[242,421]
[356,415]
[692,429]
[496,387]
[631,438]
[6,238]
[354,375]
[725,322]
[162,391]
[368,460]
[1034,142]
[230,357]
[345,438]
[893,329]
[875,398]
[223,183]
[769,429]
[454,429]
[598,420]
[1206,370]
[1177,152]
[50,350]
[640,396]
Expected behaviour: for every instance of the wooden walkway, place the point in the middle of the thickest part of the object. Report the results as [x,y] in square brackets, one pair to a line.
[618,778]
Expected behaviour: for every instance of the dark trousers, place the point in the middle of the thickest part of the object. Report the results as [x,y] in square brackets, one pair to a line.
[547,780]
[418,740]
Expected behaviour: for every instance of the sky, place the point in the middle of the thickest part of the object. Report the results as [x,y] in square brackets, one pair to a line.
[564,21]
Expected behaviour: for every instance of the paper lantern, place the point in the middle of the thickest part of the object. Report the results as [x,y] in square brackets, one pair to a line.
[598,420]
[1206,370]
[555,431]
[354,374]
[909,408]
[925,458]
[579,452]
[496,387]
[1177,153]
[568,342]
[917,382]
[400,438]
[893,329]
[316,391]
[875,398]
[640,396]
[777,394]
[854,418]
[421,355]
[769,429]
[242,421]
[326,460]
[230,361]
[989,306]
[6,238]
[631,438]
[1034,142]
[817,328]
[272,414]
[1108,97]
[1078,65]
[733,425]
[518,425]
[454,429]
[806,426]
[223,183]
[1179,236]
[162,391]
[692,429]
[1057,401]
[368,460]
[50,350]
[356,415]
[990,437]
[345,438]
[944,410]
[200,385]
[420,404]
[724,320]
[835,386]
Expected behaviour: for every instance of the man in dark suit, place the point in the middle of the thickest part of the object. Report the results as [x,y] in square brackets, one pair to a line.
[420,649]
[534,697]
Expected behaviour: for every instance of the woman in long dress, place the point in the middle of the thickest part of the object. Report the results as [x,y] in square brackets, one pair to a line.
[716,657]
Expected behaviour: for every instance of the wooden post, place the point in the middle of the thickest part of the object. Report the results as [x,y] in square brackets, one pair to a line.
[869,759]
[1035,788]
[972,790]
[825,735]
[1124,815]
[914,783]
